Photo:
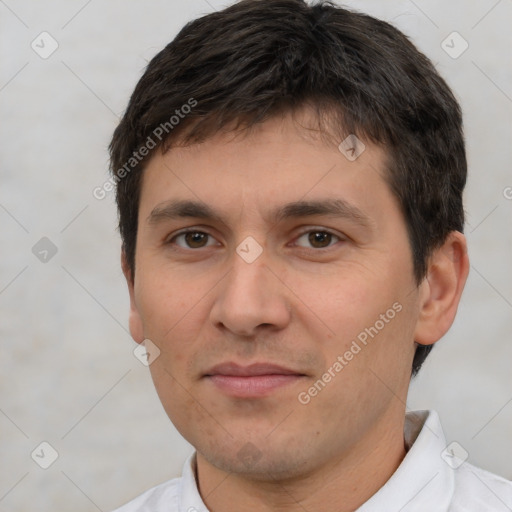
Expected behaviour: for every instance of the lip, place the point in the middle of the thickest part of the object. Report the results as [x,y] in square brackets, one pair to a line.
[253,381]
[253,370]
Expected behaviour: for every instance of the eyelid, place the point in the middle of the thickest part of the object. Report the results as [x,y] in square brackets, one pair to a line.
[321,229]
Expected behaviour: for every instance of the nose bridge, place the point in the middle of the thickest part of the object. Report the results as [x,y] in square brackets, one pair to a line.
[248,282]
[248,276]
[250,295]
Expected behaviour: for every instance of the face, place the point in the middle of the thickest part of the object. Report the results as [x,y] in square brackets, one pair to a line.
[285,333]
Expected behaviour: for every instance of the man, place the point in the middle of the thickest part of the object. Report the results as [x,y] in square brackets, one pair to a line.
[289,184]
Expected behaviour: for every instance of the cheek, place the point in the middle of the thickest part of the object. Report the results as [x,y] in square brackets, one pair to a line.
[366,315]
[179,404]
[170,320]
[163,303]
[344,302]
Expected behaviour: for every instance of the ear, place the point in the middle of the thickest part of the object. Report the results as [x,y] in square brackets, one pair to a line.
[441,289]
[136,327]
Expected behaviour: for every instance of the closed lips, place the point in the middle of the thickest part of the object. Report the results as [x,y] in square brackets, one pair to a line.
[253,370]
[255,381]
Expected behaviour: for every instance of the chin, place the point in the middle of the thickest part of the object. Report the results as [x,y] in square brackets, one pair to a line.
[268,464]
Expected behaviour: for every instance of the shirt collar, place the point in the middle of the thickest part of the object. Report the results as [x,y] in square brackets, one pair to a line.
[189,497]
[423,481]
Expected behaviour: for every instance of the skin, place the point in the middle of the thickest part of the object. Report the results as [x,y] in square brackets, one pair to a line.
[300,304]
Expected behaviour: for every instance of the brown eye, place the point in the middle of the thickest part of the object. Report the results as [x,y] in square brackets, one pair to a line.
[192,239]
[318,239]
[195,239]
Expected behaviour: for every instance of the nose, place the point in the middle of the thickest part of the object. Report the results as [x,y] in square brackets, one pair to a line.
[251,298]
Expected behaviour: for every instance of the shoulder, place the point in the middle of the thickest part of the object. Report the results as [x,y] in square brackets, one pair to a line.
[161,498]
[481,491]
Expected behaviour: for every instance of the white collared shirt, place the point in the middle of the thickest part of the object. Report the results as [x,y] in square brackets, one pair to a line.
[431,478]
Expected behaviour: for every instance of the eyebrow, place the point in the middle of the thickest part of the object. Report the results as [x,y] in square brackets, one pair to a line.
[176,209]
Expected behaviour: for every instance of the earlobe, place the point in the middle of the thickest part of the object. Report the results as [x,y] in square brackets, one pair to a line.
[135,320]
[442,289]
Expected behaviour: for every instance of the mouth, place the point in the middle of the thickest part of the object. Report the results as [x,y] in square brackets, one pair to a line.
[253,381]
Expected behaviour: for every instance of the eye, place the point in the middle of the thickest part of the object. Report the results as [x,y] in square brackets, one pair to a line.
[318,238]
[192,239]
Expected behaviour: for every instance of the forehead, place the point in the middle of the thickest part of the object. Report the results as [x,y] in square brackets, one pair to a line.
[269,169]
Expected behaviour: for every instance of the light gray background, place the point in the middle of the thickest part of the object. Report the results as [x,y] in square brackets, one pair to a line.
[69,376]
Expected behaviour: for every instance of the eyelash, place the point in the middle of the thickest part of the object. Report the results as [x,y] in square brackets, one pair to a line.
[314,230]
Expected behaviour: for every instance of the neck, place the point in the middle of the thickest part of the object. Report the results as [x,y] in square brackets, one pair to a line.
[342,484]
